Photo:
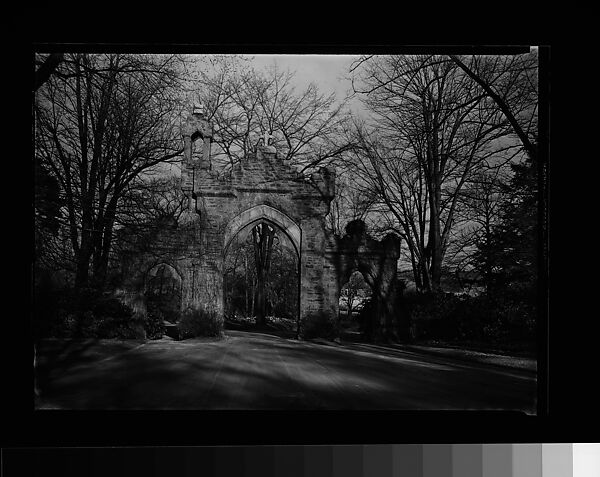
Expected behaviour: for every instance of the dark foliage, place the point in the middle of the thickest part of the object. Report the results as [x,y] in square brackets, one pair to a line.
[498,319]
[512,253]
[154,322]
[84,313]
[47,201]
[88,313]
[198,323]
[508,266]
[163,294]
[366,316]
[318,326]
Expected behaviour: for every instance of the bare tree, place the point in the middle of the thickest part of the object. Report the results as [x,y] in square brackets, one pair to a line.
[149,200]
[350,202]
[351,291]
[46,68]
[472,249]
[502,78]
[101,122]
[262,240]
[244,104]
[431,129]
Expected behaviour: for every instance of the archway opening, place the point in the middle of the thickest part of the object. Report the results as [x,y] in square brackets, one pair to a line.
[261,279]
[355,295]
[163,289]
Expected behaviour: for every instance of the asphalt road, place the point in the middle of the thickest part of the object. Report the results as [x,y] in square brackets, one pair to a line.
[258,371]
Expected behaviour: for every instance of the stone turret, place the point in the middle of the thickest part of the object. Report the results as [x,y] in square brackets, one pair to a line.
[195,127]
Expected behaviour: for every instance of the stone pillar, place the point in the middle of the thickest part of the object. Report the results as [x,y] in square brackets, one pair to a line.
[187,286]
[206,153]
[331,290]
[187,150]
[202,296]
[317,313]
[196,127]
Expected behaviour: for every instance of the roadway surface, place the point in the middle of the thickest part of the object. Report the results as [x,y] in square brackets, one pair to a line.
[259,371]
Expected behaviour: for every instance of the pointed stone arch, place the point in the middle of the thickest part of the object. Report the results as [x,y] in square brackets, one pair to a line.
[261,187]
[155,264]
[259,213]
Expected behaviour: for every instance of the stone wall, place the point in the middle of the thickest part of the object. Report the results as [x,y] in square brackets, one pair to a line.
[261,188]
[377,262]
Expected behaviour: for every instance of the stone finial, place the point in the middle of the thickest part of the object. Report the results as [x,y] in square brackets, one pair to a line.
[266,147]
[198,108]
[266,138]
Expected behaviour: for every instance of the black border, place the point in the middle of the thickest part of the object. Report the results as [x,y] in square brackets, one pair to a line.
[38,29]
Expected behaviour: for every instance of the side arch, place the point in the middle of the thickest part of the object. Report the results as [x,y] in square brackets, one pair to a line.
[155,265]
[263,212]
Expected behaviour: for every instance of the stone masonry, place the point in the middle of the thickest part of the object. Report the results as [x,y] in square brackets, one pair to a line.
[261,188]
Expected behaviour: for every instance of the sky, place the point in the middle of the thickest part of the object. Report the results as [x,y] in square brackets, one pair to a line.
[329,72]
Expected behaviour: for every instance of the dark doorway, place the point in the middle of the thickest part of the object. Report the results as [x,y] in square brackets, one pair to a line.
[260,281]
[355,295]
[163,292]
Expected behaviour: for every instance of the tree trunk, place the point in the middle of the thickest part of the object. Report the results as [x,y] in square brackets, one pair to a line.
[83,265]
[105,243]
[253,298]
[436,266]
[44,72]
[246,282]
[101,264]
[488,257]
[262,239]
[425,276]
[435,240]
[260,299]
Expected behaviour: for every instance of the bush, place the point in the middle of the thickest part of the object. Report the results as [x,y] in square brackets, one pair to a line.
[195,323]
[154,323]
[88,313]
[435,316]
[107,317]
[501,318]
[366,317]
[318,325]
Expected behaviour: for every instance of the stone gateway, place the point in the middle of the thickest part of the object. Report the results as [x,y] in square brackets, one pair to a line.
[262,188]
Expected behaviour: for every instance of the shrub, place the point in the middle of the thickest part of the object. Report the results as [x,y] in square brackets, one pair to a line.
[318,325]
[88,313]
[154,323]
[366,316]
[110,318]
[195,323]
[500,318]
